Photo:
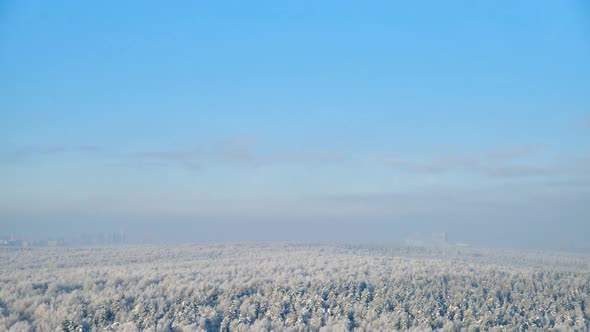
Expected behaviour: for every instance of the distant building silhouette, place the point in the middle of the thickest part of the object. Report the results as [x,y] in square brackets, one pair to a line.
[440,237]
[428,240]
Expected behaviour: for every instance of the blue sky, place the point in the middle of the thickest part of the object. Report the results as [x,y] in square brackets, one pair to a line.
[265,120]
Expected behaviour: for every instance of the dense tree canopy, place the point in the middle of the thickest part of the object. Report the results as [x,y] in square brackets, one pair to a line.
[291,287]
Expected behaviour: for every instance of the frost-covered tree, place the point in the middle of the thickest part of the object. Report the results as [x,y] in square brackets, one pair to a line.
[287,287]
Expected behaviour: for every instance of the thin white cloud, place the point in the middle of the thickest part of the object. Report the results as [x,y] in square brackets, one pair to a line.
[512,153]
[238,151]
[505,162]
[26,152]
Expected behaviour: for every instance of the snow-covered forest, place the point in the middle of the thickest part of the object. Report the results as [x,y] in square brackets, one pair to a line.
[292,287]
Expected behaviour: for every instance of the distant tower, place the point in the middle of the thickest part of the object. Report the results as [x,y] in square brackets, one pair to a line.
[440,238]
[122,237]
